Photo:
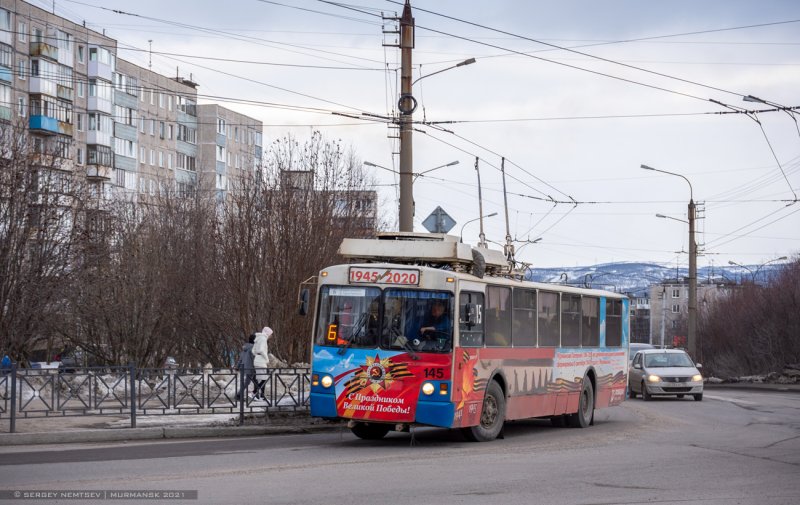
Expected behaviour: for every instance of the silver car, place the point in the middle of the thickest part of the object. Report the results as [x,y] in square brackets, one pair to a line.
[660,372]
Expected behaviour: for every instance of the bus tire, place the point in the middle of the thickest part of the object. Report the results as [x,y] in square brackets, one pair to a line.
[493,415]
[370,431]
[583,417]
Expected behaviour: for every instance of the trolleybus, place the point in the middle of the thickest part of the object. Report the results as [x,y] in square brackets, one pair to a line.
[425,330]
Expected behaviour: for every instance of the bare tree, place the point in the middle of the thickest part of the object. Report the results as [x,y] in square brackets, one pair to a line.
[285,228]
[754,329]
[39,199]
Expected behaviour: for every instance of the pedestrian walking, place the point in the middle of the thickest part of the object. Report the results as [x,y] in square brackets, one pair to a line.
[261,360]
[246,363]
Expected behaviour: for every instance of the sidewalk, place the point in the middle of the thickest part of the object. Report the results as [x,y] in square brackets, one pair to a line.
[79,429]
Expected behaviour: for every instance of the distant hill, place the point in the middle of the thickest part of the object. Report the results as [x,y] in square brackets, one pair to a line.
[632,277]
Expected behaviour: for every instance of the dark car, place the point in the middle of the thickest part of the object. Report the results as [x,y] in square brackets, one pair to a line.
[77,357]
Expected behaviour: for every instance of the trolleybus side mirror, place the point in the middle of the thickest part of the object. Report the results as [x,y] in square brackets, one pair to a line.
[304,296]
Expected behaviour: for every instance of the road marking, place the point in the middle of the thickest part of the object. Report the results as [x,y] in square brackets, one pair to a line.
[731,400]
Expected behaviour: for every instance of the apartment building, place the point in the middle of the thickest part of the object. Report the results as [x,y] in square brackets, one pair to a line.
[669,307]
[132,132]
[230,146]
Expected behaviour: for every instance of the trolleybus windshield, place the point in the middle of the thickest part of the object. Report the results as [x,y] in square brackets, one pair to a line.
[356,316]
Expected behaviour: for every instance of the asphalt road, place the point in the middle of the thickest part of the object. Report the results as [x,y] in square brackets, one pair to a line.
[734,447]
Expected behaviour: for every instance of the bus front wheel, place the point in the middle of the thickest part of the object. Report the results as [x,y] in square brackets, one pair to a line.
[583,418]
[370,431]
[493,416]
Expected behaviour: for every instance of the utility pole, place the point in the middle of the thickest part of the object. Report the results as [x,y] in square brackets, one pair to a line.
[406,106]
[663,313]
[692,337]
[481,236]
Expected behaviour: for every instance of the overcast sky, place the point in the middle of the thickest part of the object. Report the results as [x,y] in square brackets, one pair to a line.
[571,126]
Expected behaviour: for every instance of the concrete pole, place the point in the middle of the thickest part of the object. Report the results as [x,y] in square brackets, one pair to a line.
[406,107]
[663,313]
[692,337]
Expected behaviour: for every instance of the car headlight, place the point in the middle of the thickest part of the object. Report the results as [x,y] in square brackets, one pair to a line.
[697,378]
[653,378]
[326,381]
[428,388]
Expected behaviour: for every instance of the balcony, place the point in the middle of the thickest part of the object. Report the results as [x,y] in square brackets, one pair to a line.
[98,173]
[100,69]
[65,93]
[5,74]
[5,113]
[43,124]
[44,50]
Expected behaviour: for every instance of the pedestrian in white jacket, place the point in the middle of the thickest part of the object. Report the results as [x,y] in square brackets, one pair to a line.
[261,360]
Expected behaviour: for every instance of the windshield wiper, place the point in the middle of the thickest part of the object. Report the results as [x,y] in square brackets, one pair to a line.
[358,327]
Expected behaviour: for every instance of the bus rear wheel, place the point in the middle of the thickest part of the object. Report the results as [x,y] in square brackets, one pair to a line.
[583,418]
[493,416]
[370,431]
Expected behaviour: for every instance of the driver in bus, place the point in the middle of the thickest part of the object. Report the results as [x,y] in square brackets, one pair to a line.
[437,325]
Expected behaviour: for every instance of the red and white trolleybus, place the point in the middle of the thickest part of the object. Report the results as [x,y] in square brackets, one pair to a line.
[424,330]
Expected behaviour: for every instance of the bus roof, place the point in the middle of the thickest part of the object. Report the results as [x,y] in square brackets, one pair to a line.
[436,250]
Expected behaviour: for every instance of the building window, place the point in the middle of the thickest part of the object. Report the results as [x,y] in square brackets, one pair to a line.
[152,127]
[161,129]
[142,155]
[152,157]
[81,54]
[79,121]
[22,31]
[160,159]
[676,293]
[676,309]
[141,124]
[22,68]
[169,161]
[21,107]
[169,132]
[675,325]
[220,126]
[79,156]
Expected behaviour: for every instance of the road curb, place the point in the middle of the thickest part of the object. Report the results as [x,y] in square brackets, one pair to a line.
[155,433]
[780,388]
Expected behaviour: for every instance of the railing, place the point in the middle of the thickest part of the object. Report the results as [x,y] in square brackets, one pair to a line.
[133,392]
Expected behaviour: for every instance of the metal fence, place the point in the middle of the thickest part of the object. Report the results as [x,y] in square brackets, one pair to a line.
[134,392]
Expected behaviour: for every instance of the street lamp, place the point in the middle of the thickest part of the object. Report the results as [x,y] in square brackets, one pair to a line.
[662,216]
[691,340]
[461,235]
[755,274]
[468,61]
[434,168]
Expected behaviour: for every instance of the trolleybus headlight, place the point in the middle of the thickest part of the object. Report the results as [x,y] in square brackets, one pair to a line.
[654,378]
[697,378]
[326,381]
[428,388]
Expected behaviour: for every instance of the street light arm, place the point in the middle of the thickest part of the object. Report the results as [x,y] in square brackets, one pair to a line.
[469,61]
[691,191]
[461,235]
[437,168]
[662,216]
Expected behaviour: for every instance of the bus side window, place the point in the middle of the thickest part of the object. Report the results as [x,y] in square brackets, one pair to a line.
[498,316]
[613,323]
[470,324]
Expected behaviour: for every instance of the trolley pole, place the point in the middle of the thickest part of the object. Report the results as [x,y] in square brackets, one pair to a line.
[406,106]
